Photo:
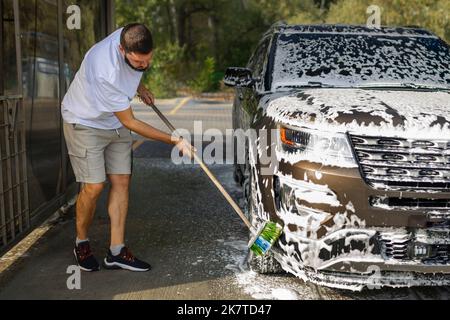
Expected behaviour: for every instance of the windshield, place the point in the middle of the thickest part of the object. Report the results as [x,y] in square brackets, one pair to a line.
[350,60]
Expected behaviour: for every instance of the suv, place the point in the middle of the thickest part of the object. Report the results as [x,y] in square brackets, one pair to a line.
[357,166]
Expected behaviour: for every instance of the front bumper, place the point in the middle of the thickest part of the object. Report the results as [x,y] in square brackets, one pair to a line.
[331,225]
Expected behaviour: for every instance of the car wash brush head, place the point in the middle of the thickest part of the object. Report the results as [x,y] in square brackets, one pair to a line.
[265,238]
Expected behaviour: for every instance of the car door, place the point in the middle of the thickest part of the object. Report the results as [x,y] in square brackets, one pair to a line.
[246,100]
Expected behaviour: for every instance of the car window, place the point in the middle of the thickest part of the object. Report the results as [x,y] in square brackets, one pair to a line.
[357,59]
[258,60]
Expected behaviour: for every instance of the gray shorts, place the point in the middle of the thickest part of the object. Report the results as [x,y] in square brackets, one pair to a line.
[94,153]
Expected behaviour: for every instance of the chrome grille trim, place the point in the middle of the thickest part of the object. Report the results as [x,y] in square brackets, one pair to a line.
[395,245]
[403,164]
[411,204]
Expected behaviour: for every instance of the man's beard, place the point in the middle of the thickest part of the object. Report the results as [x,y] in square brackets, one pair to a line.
[134,68]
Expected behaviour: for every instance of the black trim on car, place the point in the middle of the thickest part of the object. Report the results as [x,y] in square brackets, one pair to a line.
[270,63]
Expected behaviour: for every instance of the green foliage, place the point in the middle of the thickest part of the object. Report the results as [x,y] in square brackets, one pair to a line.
[207,79]
[429,14]
[164,77]
[128,11]
[308,13]
[196,40]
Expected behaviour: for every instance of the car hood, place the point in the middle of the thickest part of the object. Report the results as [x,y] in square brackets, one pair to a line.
[399,113]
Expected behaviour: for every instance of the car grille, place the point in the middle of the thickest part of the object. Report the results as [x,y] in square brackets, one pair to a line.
[409,203]
[400,246]
[403,164]
[395,245]
[440,255]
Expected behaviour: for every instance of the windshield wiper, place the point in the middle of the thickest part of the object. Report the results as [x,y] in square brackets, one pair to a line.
[309,84]
[407,85]
[318,84]
[423,86]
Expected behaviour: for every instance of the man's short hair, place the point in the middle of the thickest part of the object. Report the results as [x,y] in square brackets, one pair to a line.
[136,37]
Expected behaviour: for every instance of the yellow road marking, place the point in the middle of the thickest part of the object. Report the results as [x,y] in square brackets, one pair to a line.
[20,249]
[180,105]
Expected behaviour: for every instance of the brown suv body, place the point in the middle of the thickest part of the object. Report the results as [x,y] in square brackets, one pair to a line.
[375,211]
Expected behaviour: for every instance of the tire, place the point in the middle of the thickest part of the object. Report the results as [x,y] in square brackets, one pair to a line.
[266,264]
[237,175]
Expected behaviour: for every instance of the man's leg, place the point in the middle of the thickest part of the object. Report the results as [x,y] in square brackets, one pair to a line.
[118,207]
[86,147]
[119,256]
[118,156]
[85,209]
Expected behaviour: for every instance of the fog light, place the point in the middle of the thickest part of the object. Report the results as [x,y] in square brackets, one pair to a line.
[420,250]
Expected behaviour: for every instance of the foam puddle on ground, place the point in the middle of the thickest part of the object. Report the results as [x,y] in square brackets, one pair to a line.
[288,287]
[262,287]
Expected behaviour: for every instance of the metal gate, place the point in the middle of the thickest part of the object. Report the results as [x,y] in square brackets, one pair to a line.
[14,211]
[35,175]
[15,218]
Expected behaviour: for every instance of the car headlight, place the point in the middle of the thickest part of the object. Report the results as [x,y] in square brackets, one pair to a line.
[316,146]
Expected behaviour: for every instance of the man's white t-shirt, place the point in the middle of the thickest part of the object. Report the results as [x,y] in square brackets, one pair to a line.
[104,84]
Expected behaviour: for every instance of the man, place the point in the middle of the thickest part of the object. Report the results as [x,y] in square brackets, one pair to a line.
[97,124]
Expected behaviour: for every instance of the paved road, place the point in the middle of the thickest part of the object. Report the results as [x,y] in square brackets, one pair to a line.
[182,225]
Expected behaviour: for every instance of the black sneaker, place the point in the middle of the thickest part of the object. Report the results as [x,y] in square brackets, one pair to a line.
[85,259]
[125,260]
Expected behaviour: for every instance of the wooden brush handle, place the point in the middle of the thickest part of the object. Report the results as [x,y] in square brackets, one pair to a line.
[208,173]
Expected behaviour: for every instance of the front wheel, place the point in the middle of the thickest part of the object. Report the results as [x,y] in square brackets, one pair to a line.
[237,175]
[266,264]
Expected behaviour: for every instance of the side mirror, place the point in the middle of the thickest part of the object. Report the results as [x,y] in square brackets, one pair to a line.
[238,77]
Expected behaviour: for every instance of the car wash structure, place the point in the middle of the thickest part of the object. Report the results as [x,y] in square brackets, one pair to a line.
[42,44]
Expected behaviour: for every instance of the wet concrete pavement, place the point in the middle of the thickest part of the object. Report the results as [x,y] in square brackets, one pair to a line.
[183,226]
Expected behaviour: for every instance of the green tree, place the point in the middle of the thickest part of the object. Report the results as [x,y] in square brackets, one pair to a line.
[429,14]
[197,40]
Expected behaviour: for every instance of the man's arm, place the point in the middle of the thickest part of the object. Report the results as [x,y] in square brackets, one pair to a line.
[129,121]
